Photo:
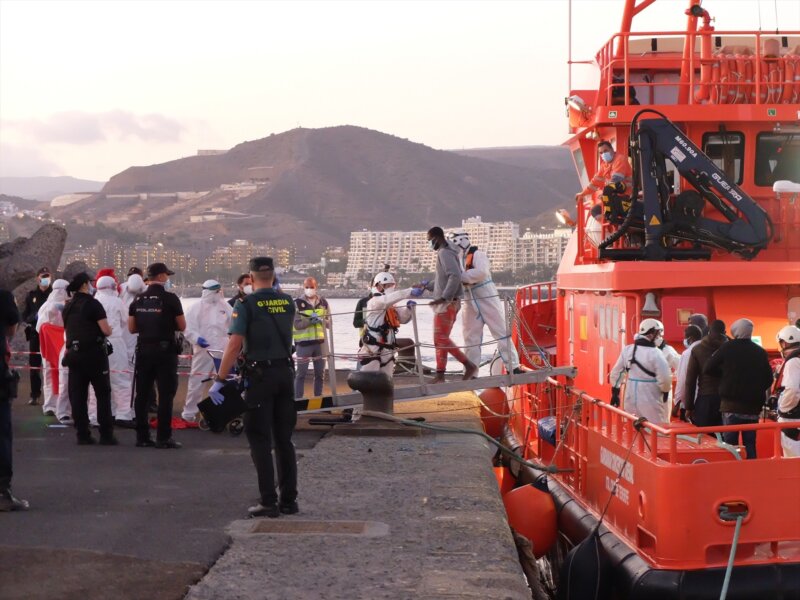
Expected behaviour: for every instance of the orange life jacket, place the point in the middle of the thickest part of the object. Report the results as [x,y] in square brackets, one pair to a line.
[469,258]
[392,319]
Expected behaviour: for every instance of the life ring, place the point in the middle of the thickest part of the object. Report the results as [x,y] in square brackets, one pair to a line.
[724,80]
[748,89]
[714,92]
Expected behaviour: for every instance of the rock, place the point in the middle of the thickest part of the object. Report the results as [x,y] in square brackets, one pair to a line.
[22,257]
[74,268]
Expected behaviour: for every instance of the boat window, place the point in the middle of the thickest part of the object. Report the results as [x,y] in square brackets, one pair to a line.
[602,322]
[726,150]
[615,324]
[777,158]
[577,156]
[609,323]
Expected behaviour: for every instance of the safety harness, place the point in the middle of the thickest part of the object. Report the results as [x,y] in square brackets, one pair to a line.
[382,336]
[777,388]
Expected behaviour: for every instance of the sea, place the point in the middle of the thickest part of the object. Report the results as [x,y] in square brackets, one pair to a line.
[345,336]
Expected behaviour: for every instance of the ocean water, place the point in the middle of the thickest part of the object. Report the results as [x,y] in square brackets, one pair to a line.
[345,336]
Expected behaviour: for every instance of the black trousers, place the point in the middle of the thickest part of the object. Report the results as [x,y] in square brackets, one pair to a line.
[35,361]
[91,368]
[6,470]
[272,419]
[706,411]
[155,365]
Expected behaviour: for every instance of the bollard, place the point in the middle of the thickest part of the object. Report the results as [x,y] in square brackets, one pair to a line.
[377,389]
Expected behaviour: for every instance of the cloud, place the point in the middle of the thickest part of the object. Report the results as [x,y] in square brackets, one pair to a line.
[21,161]
[79,127]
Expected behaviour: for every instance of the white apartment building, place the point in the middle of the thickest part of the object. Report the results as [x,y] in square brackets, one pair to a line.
[496,239]
[404,250]
[544,248]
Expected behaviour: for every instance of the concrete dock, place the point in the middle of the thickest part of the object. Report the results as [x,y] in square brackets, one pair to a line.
[380,517]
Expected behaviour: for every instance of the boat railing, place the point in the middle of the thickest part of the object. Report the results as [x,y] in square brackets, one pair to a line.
[734,71]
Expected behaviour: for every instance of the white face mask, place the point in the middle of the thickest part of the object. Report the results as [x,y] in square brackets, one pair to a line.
[311,292]
[463,243]
[658,341]
[248,289]
[686,343]
[607,156]
[168,285]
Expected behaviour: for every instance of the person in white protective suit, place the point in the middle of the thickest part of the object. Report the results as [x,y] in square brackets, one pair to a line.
[381,321]
[56,402]
[118,364]
[130,289]
[673,360]
[646,374]
[482,305]
[207,323]
[788,386]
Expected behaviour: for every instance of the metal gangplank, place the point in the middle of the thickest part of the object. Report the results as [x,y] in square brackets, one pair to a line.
[418,386]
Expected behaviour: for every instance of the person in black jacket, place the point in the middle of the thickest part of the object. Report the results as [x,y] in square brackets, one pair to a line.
[30,313]
[745,379]
[9,318]
[86,356]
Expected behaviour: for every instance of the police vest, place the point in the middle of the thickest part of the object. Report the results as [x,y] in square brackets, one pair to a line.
[269,326]
[312,333]
[78,327]
[155,322]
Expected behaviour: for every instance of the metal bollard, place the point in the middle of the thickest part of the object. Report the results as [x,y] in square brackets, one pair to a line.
[377,389]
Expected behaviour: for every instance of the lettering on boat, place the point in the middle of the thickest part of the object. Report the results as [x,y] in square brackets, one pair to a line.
[614,463]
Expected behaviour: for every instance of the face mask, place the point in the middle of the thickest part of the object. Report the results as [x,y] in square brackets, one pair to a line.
[433,244]
[607,156]
[248,289]
[659,341]
[168,285]
[45,282]
[686,343]
[375,291]
[311,292]
[92,289]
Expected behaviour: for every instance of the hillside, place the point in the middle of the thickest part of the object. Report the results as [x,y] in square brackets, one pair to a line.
[324,183]
[46,188]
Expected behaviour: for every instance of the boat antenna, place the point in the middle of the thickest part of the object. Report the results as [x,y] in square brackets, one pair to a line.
[776,17]
[759,15]
[569,47]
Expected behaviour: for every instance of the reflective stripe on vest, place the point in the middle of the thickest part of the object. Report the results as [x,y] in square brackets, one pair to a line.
[312,333]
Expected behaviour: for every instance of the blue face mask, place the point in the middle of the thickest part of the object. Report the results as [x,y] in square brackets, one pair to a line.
[607,156]
[45,282]
[92,289]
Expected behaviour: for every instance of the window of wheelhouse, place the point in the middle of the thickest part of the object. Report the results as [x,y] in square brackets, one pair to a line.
[577,156]
[777,157]
[726,151]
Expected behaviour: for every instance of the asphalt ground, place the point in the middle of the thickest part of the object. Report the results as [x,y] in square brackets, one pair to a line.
[121,522]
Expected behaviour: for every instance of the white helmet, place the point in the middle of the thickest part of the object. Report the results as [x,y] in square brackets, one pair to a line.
[106,283]
[60,284]
[460,238]
[648,325]
[211,284]
[383,278]
[789,334]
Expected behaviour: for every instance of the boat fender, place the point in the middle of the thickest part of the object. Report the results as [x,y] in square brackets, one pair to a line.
[532,513]
[585,573]
[494,411]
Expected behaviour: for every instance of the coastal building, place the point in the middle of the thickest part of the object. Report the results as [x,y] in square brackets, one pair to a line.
[541,248]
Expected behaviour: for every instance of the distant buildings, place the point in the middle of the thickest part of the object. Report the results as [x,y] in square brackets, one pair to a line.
[409,252]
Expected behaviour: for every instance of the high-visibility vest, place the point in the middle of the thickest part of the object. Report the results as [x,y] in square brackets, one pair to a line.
[312,333]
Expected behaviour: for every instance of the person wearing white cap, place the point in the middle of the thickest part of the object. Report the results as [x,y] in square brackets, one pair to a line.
[121,380]
[56,401]
[207,323]
[130,290]
[787,386]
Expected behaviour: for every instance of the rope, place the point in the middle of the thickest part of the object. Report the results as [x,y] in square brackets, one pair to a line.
[488,438]
[724,593]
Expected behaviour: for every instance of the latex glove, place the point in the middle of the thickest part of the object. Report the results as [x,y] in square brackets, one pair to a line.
[215,394]
[614,396]
[315,320]
[411,304]
[417,291]
[202,342]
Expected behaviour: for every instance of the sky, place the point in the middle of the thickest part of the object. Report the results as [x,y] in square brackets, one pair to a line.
[88,89]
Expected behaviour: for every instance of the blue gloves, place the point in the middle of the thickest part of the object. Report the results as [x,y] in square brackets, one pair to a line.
[214,393]
[315,319]
[202,342]
[417,292]
[411,304]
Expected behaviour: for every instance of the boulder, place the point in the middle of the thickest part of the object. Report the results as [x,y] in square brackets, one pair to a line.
[22,257]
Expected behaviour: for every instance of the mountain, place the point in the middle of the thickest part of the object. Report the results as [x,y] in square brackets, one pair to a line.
[46,188]
[318,185]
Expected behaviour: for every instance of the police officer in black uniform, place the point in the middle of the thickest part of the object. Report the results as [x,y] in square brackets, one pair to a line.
[156,315]
[261,329]
[9,319]
[86,356]
[30,314]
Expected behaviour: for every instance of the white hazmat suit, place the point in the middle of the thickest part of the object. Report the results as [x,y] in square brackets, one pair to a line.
[55,400]
[119,367]
[130,289]
[381,356]
[482,306]
[644,392]
[788,401]
[207,321]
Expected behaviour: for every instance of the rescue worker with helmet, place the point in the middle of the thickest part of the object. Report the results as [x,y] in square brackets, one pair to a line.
[482,305]
[30,312]
[207,324]
[120,376]
[156,315]
[310,321]
[788,387]
[382,320]
[614,168]
[86,328]
[647,375]
[56,401]
[261,330]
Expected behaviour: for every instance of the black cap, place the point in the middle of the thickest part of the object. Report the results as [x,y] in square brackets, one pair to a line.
[158,269]
[261,263]
[134,271]
[43,271]
[77,282]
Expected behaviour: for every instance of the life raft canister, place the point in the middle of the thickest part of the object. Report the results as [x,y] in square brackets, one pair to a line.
[493,400]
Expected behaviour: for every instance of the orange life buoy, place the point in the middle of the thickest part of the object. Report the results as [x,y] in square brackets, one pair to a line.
[724,80]
[789,72]
[714,93]
[748,89]
[738,70]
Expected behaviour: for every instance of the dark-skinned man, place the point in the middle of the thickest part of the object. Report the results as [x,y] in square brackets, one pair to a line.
[261,330]
[30,312]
